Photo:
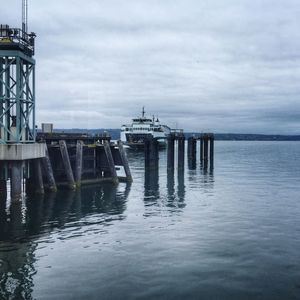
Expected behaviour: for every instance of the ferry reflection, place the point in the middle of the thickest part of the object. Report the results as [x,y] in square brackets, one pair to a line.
[22,223]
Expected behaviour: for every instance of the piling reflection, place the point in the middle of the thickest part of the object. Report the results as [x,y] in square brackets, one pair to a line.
[170,185]
[151,184]
[21,225]
[170,196]
[207,176]
[181,188]
[202,178]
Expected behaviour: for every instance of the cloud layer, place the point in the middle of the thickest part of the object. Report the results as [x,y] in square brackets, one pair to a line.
[223,66]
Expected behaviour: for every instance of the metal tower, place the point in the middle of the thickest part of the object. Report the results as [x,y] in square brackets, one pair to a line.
[17,86]
[17,105]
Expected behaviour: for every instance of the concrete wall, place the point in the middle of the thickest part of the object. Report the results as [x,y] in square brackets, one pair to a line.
[22,151]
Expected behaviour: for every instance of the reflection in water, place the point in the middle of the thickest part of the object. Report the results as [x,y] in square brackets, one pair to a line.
[171,184]
[19,228]
[151,185]
[173,199]
[16,256]
[181,187]
[202,178]
[207,166]
[207,175]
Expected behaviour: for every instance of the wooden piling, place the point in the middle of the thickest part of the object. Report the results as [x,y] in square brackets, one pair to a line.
[124,160]
[48,172]
[201,149]
[192,143]
[147,153]
[211,151]
[67,164]
[181,140]
[16,178]
[78,163]
[110,162]
[170,153]
[205,140]
[154,153]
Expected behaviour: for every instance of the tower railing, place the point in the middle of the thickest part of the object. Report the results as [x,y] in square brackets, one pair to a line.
[11,38]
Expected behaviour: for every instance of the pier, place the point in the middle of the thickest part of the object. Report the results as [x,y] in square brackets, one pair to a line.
[73,160]
[206,141]
[35,162]
[176,140]
[32,162]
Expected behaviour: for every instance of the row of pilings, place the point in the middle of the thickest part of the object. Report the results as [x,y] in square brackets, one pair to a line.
[70,160]
[206,148]
[206,141]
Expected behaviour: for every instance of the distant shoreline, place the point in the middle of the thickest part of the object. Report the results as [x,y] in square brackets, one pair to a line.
[115,134]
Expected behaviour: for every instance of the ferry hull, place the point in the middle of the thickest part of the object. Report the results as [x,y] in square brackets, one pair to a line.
[141,145]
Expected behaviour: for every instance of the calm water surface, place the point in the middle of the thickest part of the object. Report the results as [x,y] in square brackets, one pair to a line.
[230,233]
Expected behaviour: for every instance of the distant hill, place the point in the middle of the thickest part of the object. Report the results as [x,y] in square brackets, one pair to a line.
[252,137]
[115,134]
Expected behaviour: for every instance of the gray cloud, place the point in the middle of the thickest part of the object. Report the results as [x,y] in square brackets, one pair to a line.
[225,66]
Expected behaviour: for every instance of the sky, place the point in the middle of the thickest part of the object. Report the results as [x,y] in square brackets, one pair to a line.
[201,65]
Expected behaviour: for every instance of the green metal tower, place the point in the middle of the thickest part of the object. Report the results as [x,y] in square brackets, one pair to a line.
[17,86]
[18,149]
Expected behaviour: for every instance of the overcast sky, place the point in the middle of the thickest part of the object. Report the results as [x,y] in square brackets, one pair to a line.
[222,66]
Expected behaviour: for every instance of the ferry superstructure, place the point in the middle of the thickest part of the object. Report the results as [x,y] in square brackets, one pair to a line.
[141,128]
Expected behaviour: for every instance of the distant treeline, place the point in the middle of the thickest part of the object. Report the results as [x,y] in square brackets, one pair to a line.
[115,134]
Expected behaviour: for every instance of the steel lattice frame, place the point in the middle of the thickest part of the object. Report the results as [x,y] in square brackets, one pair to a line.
[17,97]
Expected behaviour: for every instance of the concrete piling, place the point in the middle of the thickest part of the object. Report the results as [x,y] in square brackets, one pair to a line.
[16,178]
[38,177]
[67,164]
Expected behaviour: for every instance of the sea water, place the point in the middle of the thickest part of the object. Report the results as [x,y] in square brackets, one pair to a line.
[232,232]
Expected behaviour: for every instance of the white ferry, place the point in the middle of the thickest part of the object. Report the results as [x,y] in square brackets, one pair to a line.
[141,128]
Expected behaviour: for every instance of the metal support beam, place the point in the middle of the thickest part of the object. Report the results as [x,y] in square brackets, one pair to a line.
[17,97]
